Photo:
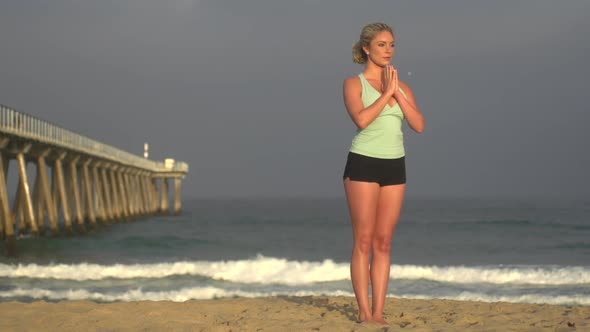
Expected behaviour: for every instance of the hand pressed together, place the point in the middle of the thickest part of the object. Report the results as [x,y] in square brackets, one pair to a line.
[389,80]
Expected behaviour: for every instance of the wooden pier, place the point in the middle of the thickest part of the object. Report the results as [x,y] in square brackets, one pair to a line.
[76,182]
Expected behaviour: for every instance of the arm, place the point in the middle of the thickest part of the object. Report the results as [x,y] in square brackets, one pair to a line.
[410,107]
[361,116]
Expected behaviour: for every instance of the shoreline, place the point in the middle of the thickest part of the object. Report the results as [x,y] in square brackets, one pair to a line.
[289,313]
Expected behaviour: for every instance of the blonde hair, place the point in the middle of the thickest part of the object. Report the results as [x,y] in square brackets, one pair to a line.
[368,32]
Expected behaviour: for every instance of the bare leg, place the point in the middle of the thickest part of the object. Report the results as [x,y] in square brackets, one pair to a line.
[362,202]
[388,212]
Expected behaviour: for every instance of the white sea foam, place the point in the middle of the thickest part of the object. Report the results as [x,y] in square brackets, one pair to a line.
[198,293]
[260,270]
[267,270]
[202,293]
[524,298]
[540,275]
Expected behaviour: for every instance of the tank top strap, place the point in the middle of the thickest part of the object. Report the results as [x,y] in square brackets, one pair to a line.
[364,82]
[403,93]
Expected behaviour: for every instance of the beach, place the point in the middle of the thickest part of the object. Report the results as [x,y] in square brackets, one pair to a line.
[287,313]
[283,265]
[180,166]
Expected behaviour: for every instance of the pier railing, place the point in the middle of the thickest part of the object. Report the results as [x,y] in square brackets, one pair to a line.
[78,180]
[23,125]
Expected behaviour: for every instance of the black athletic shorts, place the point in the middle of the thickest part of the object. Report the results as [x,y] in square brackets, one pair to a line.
[385,172]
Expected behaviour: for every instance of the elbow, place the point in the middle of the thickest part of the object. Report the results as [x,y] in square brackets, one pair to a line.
[419,128]
[362,124]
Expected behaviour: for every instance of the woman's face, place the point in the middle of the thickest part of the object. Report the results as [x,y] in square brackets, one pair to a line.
[381,48]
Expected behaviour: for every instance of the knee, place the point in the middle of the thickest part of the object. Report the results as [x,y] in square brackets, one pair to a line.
[363,244]
[382,244]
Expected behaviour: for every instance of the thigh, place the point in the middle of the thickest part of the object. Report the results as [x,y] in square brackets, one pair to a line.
[362,198]
[388,210]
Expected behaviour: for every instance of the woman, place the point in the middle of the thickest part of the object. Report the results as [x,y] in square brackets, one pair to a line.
[374,176]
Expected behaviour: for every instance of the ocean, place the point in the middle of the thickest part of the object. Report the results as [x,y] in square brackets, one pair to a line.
[513,250]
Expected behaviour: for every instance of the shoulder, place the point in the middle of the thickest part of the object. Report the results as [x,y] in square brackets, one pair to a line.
[353,82]
[404,86]
[406,91]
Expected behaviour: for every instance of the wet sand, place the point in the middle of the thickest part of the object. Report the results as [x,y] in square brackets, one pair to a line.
[288,314]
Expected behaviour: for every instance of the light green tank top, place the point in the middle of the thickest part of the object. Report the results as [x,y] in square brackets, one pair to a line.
[383,138]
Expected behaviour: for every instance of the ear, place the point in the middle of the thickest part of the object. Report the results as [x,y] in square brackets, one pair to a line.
[366,50]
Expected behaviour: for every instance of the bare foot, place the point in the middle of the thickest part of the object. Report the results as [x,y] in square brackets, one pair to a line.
[364,318]
[379,320]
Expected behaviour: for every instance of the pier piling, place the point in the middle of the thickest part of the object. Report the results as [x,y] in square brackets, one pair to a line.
[78,181]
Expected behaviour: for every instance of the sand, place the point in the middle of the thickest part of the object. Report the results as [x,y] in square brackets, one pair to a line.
[288,314]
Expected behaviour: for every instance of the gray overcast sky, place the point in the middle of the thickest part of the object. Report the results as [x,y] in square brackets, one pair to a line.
[249,93]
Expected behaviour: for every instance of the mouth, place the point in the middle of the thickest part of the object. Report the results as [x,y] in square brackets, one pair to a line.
[387,58]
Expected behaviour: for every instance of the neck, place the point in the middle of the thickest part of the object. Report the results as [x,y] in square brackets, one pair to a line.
[372,70]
